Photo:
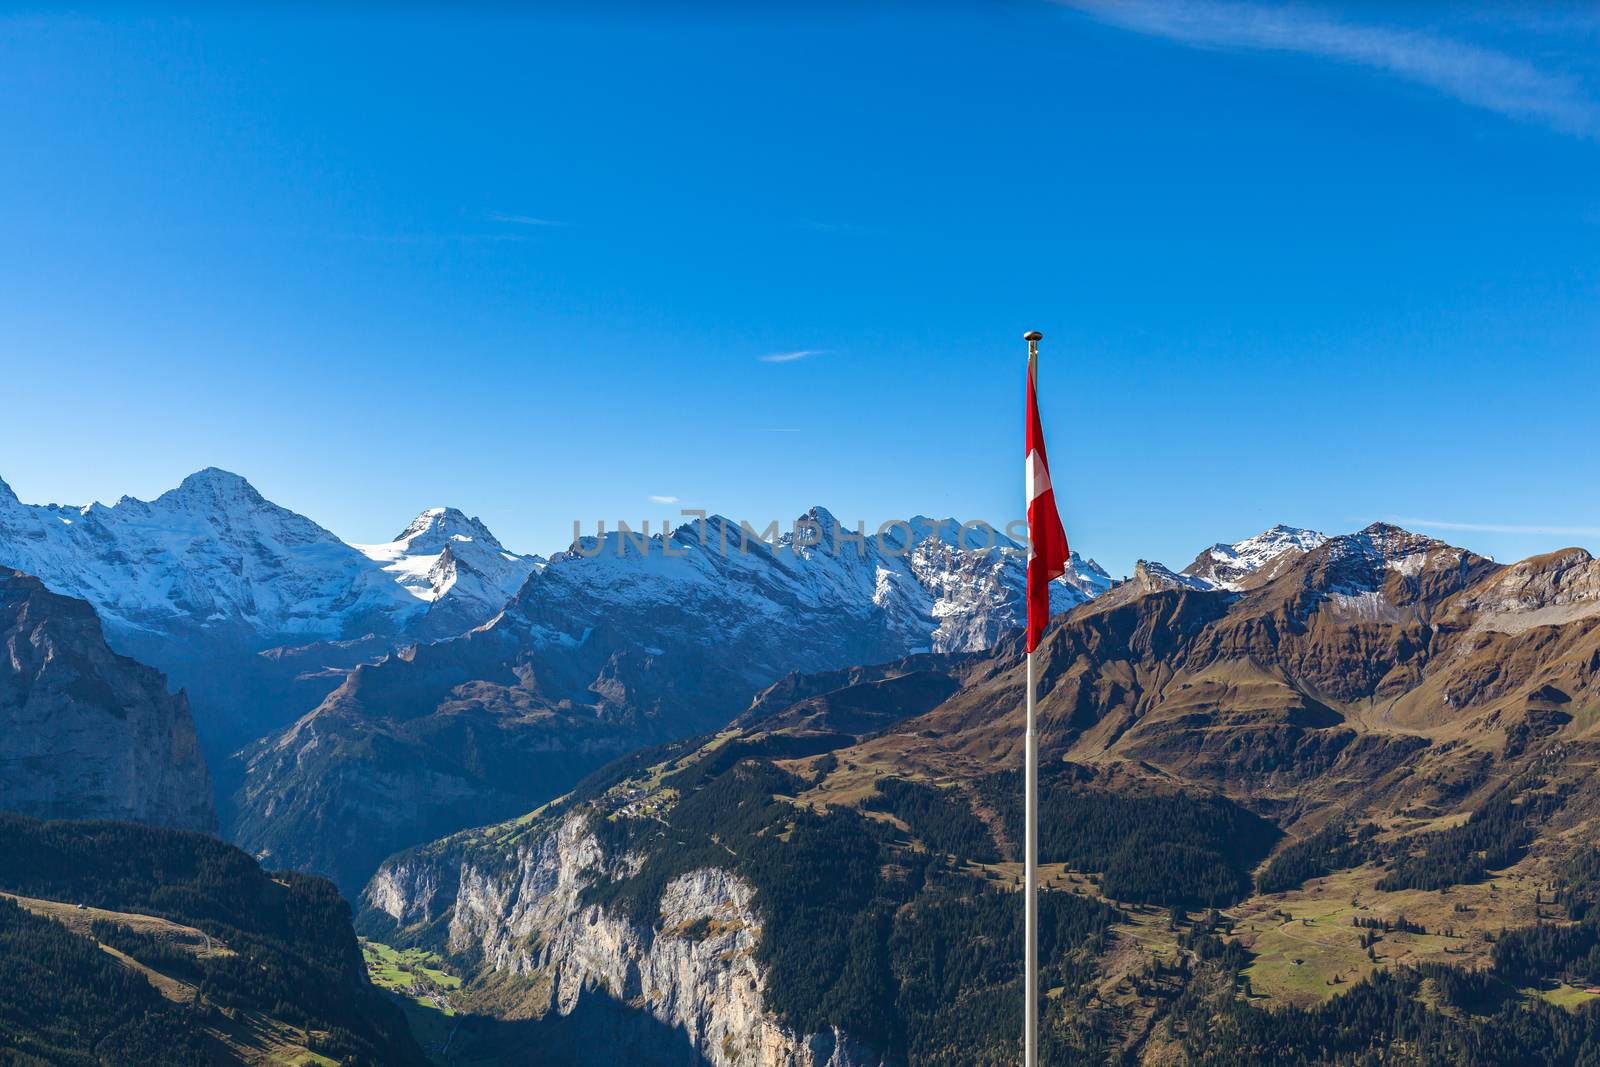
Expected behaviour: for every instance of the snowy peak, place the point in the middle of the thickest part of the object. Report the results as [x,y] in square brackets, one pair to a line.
[978,536]
[1224,566]
[1086,576]
[822,517]
[909,586]
[213,557]
[1366,555]
[435,528]
[453,563]
[215,488]
[1384,568]
[209,556]
[1387,542]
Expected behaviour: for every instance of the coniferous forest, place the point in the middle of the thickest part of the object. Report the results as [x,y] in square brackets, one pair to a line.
[280,948]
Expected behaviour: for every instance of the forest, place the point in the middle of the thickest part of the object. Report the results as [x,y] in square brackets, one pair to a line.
[891,943]
[1333,848]
[65,1002]
[295,956]
[1495,835]
[1167,849]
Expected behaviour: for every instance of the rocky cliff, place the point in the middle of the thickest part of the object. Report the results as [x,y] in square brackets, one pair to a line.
[84,732]
[694,970]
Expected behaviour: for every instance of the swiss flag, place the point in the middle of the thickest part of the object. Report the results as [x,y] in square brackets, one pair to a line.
[1047,541]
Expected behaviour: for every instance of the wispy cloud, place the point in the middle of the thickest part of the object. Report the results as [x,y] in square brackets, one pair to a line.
[663,499]
[1483,77]
[1495,527]
[791,357]
[432,238]
[829,226]
[526,220]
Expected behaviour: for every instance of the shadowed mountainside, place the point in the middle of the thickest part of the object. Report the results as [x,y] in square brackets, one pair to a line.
[84,732]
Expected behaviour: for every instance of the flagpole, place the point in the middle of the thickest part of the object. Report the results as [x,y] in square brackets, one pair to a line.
[1030,833]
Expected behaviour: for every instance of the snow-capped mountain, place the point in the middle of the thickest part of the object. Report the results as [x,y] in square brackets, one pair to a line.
[456,566]
[1228,566]
[214,558]
[1385,572]
[926,585]
[201,580]
[620,642]
[976,590]
[211,555]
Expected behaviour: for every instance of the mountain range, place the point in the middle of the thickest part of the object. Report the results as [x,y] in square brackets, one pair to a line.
[384,695]
[611,647]
[258,612]
[1372,758]
[739,798]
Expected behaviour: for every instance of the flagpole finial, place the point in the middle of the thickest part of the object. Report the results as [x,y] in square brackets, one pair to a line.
[1033,337]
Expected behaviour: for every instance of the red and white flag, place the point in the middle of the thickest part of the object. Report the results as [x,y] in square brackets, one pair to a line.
[1047,541]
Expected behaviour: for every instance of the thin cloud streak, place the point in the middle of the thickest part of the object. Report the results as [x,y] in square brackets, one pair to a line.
[663,499]
[1485,78]
[526,220]
[790,357]
[433,238]
[1493,527]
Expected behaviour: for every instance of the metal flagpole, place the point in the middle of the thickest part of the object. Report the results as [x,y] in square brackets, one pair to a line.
[1030,833]
[1030,877]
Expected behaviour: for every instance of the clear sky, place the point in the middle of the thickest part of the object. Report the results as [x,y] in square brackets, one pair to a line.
[1321,266]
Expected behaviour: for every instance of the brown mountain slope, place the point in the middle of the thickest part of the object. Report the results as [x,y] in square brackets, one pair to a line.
[1333,682]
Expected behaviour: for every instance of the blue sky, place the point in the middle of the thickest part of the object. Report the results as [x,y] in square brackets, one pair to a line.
[1319,265]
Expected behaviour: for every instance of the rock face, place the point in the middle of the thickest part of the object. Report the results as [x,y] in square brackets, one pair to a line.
[84,732]
[1545,590]
[695,970]
[615,645]
[1151,577]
